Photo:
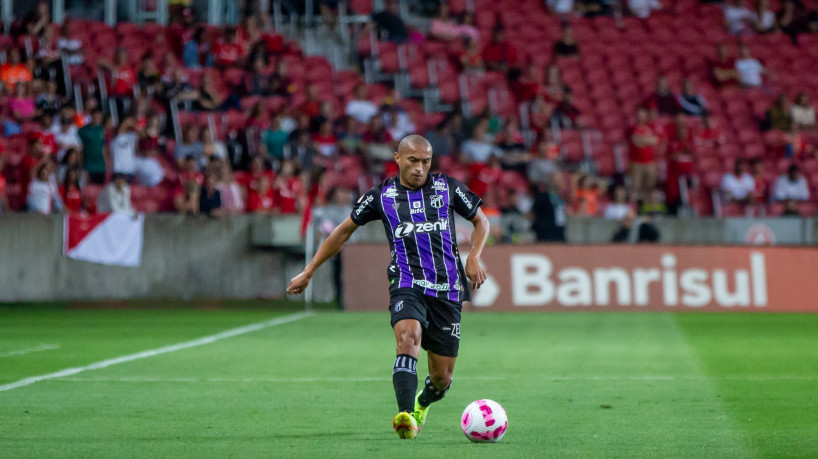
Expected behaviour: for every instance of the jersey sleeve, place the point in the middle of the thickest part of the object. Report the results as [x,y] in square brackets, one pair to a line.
[464,201]
[366,209]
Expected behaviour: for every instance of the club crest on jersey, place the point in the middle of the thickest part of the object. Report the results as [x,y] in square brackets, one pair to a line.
[440,185]
[437,201]
[391,192]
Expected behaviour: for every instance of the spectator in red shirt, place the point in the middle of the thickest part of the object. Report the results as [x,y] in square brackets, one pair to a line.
[485,176]
[540,113]
[288,189]
[499,55]
[761,194]
[70,190]
[45,135]
[709,136]
[528,85]
[663,99]
[471,60]
[554,87]
[312,106]
[325,140]
[258,169]
[36,153]
[123,80]
[260,197]
[190,171]
[723,69]
[680,163]
[643,141]
[228,51]
[123,75]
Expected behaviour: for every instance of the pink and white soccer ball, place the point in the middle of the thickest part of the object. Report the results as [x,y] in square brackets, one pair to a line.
[484,421]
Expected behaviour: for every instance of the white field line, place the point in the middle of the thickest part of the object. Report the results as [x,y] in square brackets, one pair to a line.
[464,378]
[162,350]
[43,347]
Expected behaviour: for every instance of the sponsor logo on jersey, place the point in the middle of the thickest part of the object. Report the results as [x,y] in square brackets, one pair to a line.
[405,229]
[437,201]
[363,205]
[430,285]
[391,192]
[440,185]
[464,198]
[417,208]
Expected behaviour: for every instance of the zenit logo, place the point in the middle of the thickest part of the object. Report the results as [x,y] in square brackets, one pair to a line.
[405,229]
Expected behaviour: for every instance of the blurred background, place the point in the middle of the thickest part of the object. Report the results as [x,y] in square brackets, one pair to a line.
[234,135]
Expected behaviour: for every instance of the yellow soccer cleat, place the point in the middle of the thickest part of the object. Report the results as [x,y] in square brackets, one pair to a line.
[420,412]
[405,425]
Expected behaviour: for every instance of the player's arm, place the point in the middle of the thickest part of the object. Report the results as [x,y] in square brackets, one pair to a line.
[331,246]
[478,240]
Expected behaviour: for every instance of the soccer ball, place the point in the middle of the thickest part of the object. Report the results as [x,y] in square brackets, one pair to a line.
[484,421]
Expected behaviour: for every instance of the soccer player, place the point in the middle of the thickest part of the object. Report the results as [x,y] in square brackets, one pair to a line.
[427,282]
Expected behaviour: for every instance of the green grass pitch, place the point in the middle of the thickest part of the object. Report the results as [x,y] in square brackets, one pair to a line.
[574,385]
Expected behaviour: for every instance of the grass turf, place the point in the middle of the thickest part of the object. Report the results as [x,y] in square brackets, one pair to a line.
[574,385]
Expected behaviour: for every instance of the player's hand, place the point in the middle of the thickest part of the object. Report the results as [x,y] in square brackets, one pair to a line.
[298,284]
[474,272]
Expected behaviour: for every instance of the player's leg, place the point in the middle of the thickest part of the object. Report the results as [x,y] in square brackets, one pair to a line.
[441,339]
[404,375]
[408,320]
[404,372]
[439,380]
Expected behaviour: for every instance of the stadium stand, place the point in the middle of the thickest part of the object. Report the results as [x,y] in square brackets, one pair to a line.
[488,78]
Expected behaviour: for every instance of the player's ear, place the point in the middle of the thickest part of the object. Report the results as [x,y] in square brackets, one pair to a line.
[397,157]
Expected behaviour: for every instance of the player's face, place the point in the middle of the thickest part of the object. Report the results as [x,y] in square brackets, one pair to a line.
[414,167]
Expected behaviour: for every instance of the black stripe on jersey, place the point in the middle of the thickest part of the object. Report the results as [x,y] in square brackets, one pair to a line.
[410,242]
[437,243]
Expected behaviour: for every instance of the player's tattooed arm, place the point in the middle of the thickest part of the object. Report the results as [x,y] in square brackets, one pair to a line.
[478,240]
[331,246]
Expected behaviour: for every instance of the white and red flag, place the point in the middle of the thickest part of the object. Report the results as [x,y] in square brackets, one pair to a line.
[109,239]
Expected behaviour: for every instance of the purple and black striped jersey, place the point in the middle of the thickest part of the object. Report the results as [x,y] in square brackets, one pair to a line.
[420,227]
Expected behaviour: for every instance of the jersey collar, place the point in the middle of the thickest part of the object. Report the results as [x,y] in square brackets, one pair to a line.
[428,181]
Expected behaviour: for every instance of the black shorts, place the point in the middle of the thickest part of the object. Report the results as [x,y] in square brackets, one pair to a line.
[439,318]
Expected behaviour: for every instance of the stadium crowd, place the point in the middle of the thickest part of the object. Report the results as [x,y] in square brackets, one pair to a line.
[264,129]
